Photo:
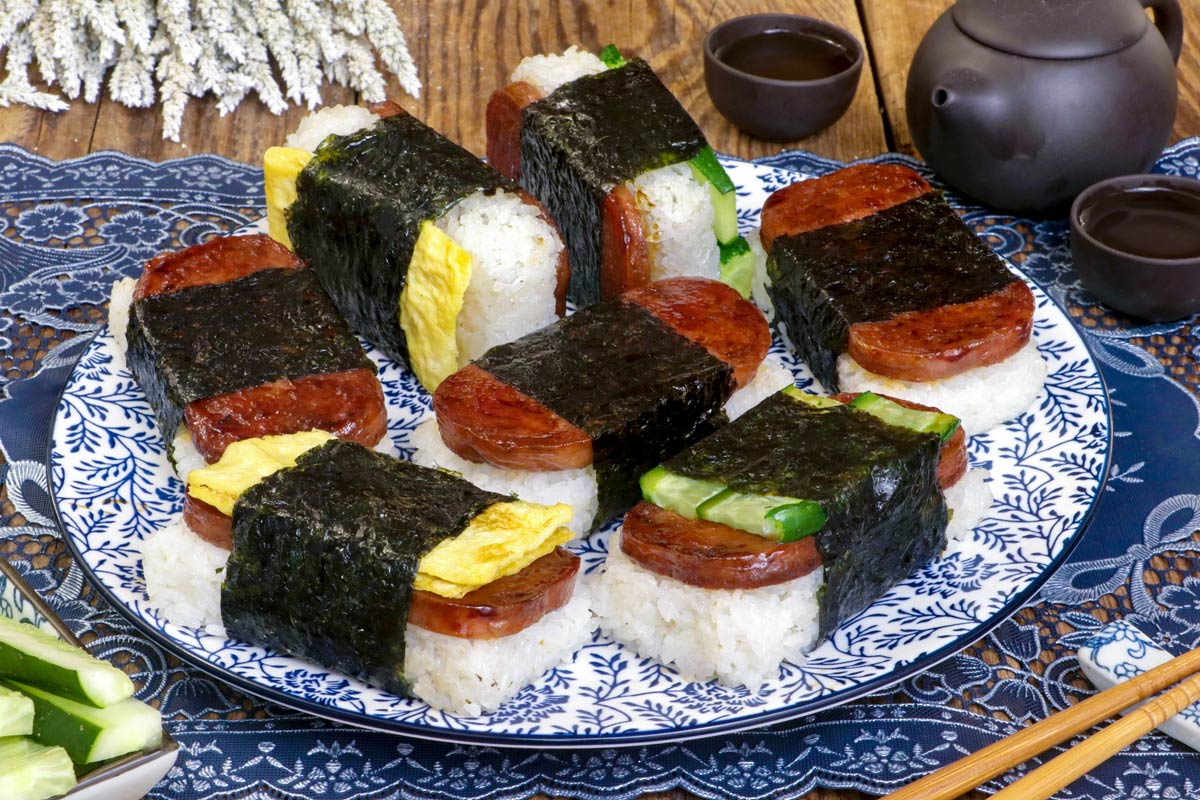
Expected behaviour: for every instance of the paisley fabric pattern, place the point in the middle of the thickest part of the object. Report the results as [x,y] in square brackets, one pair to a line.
[1132,562]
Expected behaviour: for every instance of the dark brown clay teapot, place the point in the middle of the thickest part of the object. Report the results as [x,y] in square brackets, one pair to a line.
[1024,103]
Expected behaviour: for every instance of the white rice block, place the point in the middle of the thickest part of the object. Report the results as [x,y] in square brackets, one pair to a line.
[514,270]
[759,280]
[739,637]
[185,455]
[575,487]
[329,121]
[677,217]
[982,397]
[469,677]
[183,577]
[119,304]
[771,376]
[968,501]
[463,676]
[548,72]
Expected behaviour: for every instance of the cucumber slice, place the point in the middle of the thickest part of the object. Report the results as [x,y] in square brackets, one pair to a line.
[814,400]
[797,520]
[737,266]
[725,224]
[91,734]
[677,493]
[705,162]
[36,657]
[31,771]
[612,57]
[16,714]
[784,519]
[891,412]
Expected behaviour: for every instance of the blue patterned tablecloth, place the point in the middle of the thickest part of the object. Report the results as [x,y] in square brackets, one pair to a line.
[67,229]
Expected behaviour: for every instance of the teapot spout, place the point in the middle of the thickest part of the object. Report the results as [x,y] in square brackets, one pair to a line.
[965,102]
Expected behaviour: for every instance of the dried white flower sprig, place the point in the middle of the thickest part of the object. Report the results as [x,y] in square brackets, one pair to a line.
[173,50]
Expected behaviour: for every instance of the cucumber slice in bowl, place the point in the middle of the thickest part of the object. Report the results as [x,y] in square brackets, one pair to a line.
[38,658]
[91,734]
[16,715]
[31,771]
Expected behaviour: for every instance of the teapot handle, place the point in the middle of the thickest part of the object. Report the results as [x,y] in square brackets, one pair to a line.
[1168,18]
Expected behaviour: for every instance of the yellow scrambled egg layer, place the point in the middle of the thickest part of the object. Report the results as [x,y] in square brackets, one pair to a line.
[501,540]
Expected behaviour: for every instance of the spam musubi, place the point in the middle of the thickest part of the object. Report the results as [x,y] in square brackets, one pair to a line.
[580,409]
[431,254]
[758,541]
[235,338]
[879,285]
[411,579]
[622,168]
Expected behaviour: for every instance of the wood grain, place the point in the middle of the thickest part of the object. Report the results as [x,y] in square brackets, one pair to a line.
[895,29]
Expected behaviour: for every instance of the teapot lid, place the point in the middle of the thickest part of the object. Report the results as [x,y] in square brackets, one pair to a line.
[1052,28]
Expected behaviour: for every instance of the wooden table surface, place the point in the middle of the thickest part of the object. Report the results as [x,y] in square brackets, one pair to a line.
[466,48]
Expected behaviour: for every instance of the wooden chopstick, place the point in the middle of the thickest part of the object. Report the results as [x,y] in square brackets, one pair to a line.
[1095,750]
[954,780]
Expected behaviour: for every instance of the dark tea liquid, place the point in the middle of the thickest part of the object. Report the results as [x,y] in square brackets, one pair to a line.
[1149,222]
[786,55]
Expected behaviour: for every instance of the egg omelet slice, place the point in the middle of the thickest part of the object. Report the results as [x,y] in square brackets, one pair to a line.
[281,167]
[430,303]
[245,463]
[501,540]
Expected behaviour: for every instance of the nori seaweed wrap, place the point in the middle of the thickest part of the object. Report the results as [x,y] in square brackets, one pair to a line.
[204,341]
[877,484]
[325,555]
[360,202]
[639,390]
[579,148]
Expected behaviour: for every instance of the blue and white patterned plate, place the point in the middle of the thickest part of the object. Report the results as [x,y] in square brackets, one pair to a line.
[113,487]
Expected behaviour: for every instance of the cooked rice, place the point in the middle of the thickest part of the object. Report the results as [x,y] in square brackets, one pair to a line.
[968,500]
[739,637]
[759,280]
[118,318]
[677,217]
[472,676]
[575,487]
[771,376]
[982,397]
[514,269]
[550,71]
[329,121]
[183,577]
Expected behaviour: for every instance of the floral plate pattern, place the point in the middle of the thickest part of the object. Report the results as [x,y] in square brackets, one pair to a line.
[113,487]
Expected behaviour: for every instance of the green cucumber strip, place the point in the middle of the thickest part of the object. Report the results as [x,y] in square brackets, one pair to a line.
[725,224]
[737,266]
[16,713]
[891,412]
[797,520]
[612,57]
[91,734]
[705,162]
[32,771]
[810,399]
[41,659]
[784,519]
[677,493]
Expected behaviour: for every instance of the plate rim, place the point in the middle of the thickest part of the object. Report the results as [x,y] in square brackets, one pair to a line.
[568,741]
